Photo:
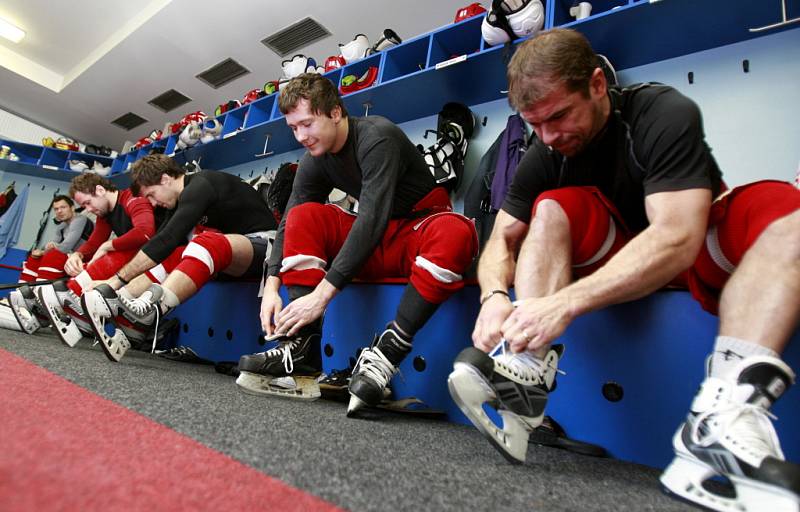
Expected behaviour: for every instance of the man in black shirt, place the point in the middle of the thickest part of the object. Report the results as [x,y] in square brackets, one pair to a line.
[405,227]
[227,222]
[617,193]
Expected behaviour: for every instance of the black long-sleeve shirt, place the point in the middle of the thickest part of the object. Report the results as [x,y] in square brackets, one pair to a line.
[215,200]
[380,167]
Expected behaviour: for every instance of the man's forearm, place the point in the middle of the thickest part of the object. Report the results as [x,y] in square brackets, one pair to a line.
[137,266]
[496,268]
[648,262]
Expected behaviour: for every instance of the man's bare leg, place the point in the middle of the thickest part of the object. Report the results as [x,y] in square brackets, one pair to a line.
[544,264]
[760,301]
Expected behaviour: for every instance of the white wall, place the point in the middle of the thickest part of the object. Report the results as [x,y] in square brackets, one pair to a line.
[13,127]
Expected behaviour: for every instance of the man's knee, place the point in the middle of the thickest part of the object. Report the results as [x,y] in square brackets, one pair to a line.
[782,237]
[304,215]
[212,249]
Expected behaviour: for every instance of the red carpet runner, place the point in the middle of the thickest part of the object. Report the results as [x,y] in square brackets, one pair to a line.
[63,447]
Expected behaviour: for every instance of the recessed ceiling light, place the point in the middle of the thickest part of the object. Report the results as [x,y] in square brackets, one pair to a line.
[11,32]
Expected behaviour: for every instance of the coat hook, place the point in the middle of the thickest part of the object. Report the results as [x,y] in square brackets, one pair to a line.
[746,65]
[366,106]
[690,76]
[483,123]
[265,153]
[251,174]
[42,187]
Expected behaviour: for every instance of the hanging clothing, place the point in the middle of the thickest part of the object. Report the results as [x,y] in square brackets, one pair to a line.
[11,222]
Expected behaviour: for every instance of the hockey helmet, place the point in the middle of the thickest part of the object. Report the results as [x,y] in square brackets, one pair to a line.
[510,19]
[388,39]
[253,95]
[225,107]
[295,66]
[469,11]
[355,49]
[334,62]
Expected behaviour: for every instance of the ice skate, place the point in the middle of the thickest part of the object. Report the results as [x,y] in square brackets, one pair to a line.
[65,327]
[728,433]
[374,370]
[26,309]
[289,370]
[516,385]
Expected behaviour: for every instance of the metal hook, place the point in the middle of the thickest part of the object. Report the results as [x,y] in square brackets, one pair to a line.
[266,143]
[366,106]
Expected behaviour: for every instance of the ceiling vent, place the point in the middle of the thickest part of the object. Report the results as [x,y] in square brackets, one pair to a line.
[226,71]
[129,121]
[169,100]
[296,36]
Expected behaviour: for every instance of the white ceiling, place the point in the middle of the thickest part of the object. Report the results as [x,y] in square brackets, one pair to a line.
[84,63]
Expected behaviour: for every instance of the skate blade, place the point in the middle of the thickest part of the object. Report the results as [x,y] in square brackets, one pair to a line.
[96,309]
[67,332]
[297,388]
[684,477]
[354,405]
[470,390]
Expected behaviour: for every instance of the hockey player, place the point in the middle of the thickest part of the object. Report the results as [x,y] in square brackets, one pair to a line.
[129,218]
[404,227]
[47,264]
[621,191]
[230,222]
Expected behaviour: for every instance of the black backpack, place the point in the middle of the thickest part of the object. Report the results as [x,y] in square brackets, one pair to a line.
[279,191]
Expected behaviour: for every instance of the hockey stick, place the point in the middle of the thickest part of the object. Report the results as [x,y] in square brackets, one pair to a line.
[14,286]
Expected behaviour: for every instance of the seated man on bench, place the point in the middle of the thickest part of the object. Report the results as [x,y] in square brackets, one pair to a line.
[47,264]
[118,212]
[230,221]
[618,197]
[405,227]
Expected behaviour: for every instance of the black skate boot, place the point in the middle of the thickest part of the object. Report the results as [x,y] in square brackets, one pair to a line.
[374,370]
[516,385]
[728,433]
[288,370]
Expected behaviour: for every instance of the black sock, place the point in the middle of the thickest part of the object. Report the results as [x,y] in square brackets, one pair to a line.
[315,327]
[295,292]
[413,312]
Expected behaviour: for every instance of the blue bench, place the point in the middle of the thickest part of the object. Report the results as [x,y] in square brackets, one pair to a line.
[632,369]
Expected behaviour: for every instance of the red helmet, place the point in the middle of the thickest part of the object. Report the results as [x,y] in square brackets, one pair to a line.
[469,11]
[253,95]
[334,62]
[352,83]
[144,141]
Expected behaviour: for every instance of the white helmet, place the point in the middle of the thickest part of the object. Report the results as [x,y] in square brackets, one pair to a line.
[510,19]
[355,49]
[295,66]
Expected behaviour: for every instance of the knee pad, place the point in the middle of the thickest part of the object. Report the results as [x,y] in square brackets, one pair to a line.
[51,265]
[213,252]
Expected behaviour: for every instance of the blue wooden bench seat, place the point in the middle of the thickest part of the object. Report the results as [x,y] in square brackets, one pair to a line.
[631,370]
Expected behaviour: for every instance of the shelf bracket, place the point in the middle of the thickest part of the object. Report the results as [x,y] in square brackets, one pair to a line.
[781,23]
[264,152]
[367,105]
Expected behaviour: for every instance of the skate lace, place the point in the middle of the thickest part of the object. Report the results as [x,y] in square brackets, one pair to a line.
[285,351]
[373,364]
[140,306]
[525,364]
[749,424]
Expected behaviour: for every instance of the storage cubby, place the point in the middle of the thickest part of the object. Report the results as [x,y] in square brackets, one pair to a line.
[260,111]
[27,153]
[233,120]
[53,158]
[360,67]
[561,15]
[405,59]
[463,38]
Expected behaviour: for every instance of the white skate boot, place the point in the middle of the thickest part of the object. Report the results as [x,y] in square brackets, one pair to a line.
[728,433]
